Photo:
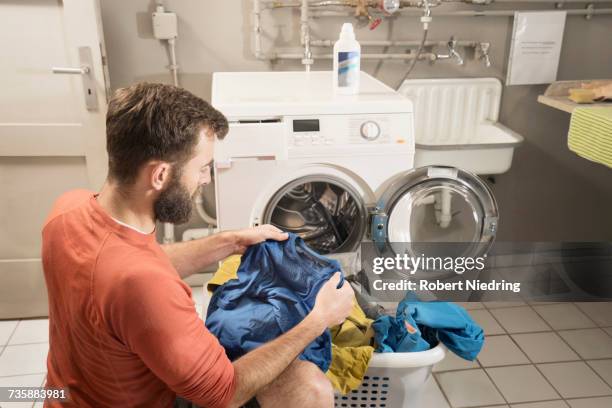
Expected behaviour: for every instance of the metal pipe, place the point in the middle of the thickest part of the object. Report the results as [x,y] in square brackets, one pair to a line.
[257,28]
[275,4]
[551,1]
[423,56]
[472,13]
[396,43]
[307,60]
[272,4]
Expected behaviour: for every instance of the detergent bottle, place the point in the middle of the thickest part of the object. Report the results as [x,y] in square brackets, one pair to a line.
[347,56]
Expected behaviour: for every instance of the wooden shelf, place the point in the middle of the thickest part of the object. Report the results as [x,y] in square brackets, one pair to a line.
[557,92]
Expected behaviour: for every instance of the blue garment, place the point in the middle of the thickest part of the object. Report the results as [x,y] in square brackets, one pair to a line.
[432,322]
[276,288]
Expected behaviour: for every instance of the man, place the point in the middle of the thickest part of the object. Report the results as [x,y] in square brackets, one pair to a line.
[123,328]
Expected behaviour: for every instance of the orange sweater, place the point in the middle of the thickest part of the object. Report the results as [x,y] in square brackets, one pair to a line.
[123,328]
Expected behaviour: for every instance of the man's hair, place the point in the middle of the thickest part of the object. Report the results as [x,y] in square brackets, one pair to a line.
[155,122]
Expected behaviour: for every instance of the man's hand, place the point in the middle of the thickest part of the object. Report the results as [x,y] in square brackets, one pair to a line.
[251,236]
[333,305]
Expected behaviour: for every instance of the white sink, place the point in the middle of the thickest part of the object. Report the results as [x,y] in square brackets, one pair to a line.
[456,124]
[489,152]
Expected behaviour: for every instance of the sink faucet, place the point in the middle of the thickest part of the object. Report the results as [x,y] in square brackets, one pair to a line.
[452,52]
[484,53]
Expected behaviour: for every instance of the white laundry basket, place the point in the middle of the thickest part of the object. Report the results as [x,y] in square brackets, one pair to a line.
[393,380]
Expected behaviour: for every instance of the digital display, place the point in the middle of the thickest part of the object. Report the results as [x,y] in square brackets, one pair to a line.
[306,125]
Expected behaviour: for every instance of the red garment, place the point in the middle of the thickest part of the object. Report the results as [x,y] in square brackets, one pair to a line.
[123,327]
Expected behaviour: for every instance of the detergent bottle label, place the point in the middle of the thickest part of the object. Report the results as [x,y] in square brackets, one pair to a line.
[348,68]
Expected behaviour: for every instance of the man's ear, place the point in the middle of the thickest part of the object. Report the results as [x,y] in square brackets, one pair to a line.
[160,174]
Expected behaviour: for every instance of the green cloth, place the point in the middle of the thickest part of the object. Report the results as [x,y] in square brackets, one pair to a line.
[590,134]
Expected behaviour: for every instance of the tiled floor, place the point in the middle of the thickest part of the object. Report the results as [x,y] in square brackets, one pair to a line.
[553,355]
[535,356]
[23,352]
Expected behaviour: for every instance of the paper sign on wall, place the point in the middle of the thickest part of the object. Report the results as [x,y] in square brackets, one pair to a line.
[535,47]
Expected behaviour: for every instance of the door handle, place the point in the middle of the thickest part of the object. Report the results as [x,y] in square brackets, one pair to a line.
[84,69]
[87,74]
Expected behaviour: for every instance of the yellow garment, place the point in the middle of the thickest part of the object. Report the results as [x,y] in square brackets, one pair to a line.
[351,340]
[351,351]
[228,270]
[590,134]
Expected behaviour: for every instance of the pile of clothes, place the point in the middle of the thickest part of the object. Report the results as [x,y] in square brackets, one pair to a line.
[273,286]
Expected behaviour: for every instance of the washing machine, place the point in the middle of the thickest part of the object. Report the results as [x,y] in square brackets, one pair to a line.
[336,170]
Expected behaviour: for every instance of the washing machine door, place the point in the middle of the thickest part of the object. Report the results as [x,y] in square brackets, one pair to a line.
[325,210]
[436,204]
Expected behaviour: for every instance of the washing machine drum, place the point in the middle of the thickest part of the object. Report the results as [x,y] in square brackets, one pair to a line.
[433,204]
[325,211]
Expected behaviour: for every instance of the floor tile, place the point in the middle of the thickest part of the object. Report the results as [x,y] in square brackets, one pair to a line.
[500,350]
[562,316]
[599,312]
[486,320]
[522,384]
[469,388]
[589,343]
[519,319]
[603,368]
[471,305]
[34,380]
[6,329]
[24,359]
[31,331]
[432,396]
[574,380]
[498,304]
[600,402]
[609,330]
[545,347]
[452,362]
[543,404]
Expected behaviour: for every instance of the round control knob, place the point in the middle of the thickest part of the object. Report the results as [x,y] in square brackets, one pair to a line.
[370,130]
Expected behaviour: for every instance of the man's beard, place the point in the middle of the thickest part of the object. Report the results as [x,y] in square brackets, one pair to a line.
[174,204]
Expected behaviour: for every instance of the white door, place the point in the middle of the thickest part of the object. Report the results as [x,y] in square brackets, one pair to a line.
[52,135]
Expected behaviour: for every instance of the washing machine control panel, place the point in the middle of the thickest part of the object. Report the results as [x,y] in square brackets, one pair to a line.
[343,130]
[318,136]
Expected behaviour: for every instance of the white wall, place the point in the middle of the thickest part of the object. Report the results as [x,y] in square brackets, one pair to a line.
[549,194]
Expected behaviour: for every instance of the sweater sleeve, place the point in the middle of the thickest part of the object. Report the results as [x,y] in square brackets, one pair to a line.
[154,316]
